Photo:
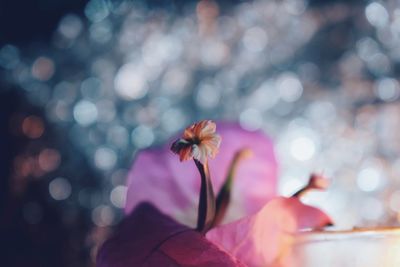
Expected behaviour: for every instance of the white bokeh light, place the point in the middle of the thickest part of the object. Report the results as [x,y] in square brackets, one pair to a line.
[105,158]
[289,86]
[372,209]
[142,136]
[369,179]
[103,215]
[377,14]
[255,39]
[302,148]
[85,112]
[60,188]
[387,89]
[130,82]
[251,119]
[118,196]
[394,201]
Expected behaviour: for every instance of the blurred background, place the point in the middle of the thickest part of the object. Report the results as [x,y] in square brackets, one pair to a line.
[85,84]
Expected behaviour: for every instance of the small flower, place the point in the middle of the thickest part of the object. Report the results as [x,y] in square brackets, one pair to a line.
[199,141]
[318,182]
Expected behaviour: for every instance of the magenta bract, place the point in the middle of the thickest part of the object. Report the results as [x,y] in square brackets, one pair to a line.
[158,177]
[148,238]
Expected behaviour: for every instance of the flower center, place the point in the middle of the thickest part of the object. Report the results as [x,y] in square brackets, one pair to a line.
[196,141]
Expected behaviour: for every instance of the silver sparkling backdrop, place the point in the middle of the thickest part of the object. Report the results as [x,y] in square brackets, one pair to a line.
[321,81]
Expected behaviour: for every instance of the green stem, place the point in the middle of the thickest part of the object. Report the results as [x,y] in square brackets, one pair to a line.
[301,192]
[224,195]
[309,187]
[206,212]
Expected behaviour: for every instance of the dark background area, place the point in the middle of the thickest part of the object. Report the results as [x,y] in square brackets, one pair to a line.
[23,21]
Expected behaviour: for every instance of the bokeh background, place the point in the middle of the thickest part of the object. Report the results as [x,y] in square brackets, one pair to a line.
[86,84]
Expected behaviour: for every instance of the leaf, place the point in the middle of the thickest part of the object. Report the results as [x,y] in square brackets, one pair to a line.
[173,187]
[265,238]
[149,238]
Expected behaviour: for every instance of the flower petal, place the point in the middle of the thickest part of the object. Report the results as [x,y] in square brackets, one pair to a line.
[182,148]
[186,153]
[212,144]
[208,129]
[266,237]
[173,187]
[149,238]
[199,153]
[188,134]
[318,181]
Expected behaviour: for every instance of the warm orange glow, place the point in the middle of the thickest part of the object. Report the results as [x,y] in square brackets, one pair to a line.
[33,127]
[43,68]
[23,166]
[207,12]
[49,159]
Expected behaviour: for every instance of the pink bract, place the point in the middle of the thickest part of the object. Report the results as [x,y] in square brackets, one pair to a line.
[148,238]
[158,177]
[266,238]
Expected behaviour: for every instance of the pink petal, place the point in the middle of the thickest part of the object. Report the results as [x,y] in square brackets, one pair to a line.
[150,239]
[208,128]
[158,177]
[264,238]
